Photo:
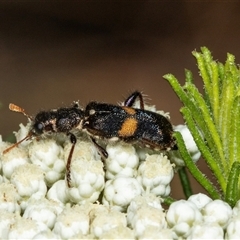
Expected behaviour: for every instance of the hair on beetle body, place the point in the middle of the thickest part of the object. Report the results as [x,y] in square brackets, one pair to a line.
[106,121]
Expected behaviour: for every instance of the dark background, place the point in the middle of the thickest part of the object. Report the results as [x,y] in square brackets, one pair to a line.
[54,52]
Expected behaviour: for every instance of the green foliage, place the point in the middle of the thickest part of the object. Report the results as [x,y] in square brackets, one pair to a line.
[214,121]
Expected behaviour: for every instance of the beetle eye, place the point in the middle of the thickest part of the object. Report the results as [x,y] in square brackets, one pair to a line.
[40,126]
[92,112]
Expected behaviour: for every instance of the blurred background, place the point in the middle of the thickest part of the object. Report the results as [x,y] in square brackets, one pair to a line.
[55,52]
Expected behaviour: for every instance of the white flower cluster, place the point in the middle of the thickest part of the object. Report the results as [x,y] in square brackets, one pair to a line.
[118,198]
[36,202]
[200,217]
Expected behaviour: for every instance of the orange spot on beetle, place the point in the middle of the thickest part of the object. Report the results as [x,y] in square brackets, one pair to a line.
[128,128]
[129,110]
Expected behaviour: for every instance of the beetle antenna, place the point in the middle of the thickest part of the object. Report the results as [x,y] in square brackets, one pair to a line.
[17,143]
[16,108]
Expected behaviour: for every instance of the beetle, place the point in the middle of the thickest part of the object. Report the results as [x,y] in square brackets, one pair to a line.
[103,120]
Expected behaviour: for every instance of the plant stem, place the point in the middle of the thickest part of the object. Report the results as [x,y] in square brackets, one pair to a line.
[185,182]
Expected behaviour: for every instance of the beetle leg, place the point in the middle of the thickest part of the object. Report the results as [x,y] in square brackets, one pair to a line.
[132,99]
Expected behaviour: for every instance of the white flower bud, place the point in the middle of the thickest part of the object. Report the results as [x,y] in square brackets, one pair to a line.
[236,209]
[29,182]
[181,216]
[200,200]
[87,180]
[71,222]
[206,231]
[6,221]
[47,234]
[155,175]
[120,231]
[120,191]
[104,222]
[82,236]
[140,201]
[233,228]
[13,159]
[9,198]
[83,150]
[47,154]
[153,232]
[25,229]
[43,210]
[95,210]
[122,161]
[147,216]
[59,192]
[217,211]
